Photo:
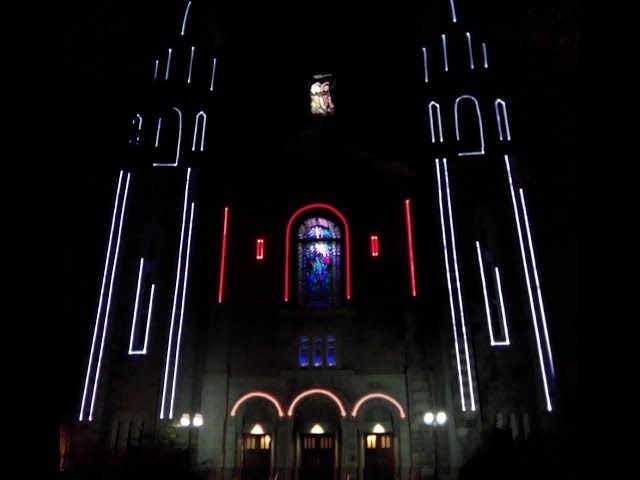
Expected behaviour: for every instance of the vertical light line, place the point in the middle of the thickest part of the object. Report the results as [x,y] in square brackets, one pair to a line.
[424,61]
[184,19]
[410,242]
[184,292]
[484,55]
[158,130]
[135,308]
[191,64]
[526,275]
[213,74]
[104,279]
[179,135]
[453,312]
[166,72]
[175,295]
[444,53]
[500,102]
[453,11]
[535,276]
[504,314]
[106,315]
[155,71]
[484,290]
[455,262]
[146,333]
[470,51]
[224,250]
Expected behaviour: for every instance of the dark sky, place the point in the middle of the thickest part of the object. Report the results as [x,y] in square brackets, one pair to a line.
[104,42]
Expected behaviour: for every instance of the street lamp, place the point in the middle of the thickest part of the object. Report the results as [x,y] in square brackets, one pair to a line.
[435,421]
[185,422]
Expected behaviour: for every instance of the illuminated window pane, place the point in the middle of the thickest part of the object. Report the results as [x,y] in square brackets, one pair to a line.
[331,351]
[303,354]
[317,351]
[371,441]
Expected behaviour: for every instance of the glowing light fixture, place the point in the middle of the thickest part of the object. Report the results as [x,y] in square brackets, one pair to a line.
[374,246]
[317,430]
[198,420]
[257,430]
[378,428]
[185,420]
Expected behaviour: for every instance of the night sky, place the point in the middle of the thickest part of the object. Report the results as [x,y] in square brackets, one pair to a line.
[105,45]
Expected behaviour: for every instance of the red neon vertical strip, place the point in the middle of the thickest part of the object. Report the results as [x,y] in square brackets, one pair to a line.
[260,249]
[410,239]
[374,245]
[224,253]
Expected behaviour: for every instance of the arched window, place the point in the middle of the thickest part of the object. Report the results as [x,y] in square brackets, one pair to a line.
[469,126]
[319,263]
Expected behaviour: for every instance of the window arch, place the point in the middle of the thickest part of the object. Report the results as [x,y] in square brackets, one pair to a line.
[480,150]
[319,272]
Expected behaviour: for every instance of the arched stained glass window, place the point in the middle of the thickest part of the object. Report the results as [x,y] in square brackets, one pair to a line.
[319,263]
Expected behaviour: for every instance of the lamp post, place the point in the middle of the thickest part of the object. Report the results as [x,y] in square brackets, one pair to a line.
[435,421]
[185,422]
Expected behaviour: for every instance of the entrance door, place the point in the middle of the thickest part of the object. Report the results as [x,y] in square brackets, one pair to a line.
[379,461]
[317,458]
[256,457]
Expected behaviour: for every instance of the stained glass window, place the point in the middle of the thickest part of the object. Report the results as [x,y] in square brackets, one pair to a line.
[317,351]
[319,273]
[331,351]
[303,355]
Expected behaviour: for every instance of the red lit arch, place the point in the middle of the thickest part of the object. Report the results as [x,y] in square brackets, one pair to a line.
[315,391]
[249,395]
[383,396]
[288,246]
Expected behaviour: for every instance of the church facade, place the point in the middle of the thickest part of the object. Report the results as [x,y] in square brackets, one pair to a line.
[284,302]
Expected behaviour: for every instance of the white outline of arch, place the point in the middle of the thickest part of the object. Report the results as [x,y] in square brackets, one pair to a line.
[104,279]
[106,315]
[384,396]
[470,51]
[178,145]
[158,131]
[444,52]
[193,50]
[446,262]
[537,280]
[460,304]
[195,131]
[453,11]
[481,152]
[213,73]
[313,391]
[175,295]
[184,19]
[166,72]
[433,135]
[424,60]
[260,394]
[526,276]
[499,101]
